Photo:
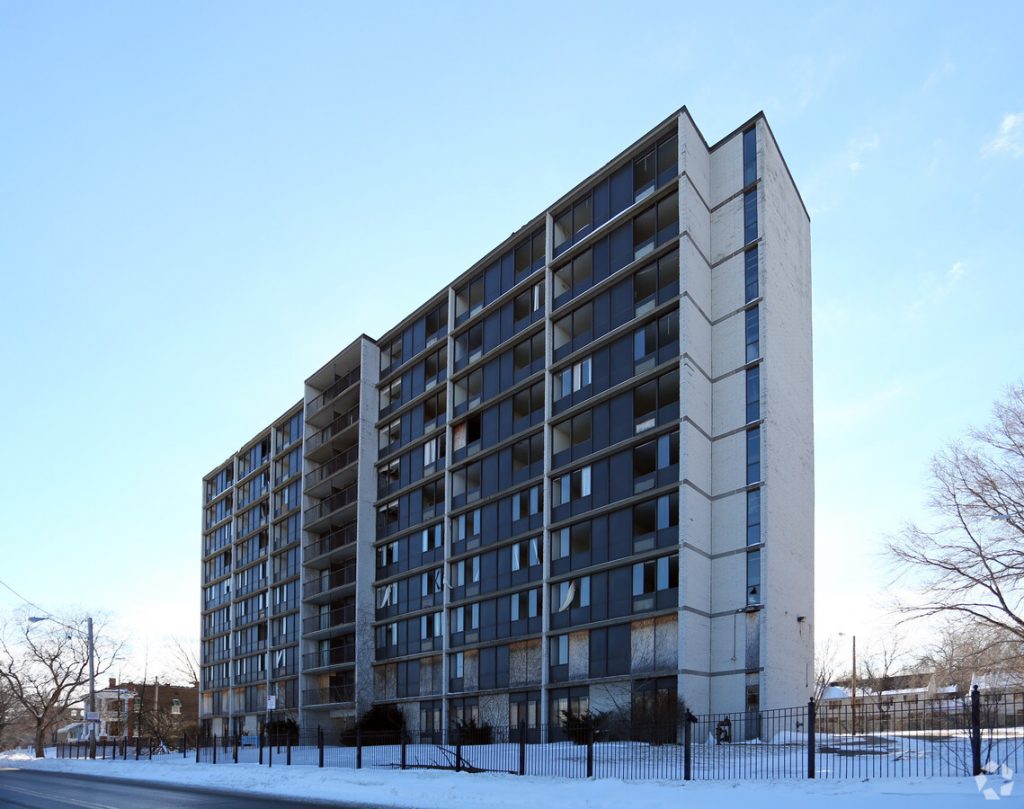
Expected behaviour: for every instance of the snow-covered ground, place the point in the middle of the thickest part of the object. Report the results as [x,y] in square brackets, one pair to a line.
[451,790]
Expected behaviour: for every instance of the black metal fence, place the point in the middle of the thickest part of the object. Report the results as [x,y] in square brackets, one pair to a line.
[124,749]
[890,737]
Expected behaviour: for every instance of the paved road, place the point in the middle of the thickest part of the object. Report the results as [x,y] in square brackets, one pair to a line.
[36,789]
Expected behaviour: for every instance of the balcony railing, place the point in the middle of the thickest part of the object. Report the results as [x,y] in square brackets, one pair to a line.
[216,655]
[251,587]
[212,493]
[253,524]
[339,578]
[338,617]
[330,657]
[342,537]
[281,607]
[213,519]
[330,392]
[333,503]
[225,570]
[335,464]
[216,629]
[282,539]
[328,696]
[216,600]
[245,557]
[245,469]
[346,419]
[250,677]
[250,618]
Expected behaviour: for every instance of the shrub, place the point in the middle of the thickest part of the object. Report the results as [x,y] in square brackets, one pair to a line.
[382,724]
[579,727]
[469,732]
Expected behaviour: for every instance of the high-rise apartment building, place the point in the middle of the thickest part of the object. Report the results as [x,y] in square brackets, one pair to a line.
[579,477]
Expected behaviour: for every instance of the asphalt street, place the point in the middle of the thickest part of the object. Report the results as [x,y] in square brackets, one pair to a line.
[35,789]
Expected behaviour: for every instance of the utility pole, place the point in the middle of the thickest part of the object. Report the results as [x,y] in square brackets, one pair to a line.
[92,693]
[853,688]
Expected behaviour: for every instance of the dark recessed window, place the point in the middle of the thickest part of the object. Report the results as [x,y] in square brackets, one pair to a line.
[753,394]
[750,285]
[754,517]
[749,156]
[751,330]
[754,577]
[750,217]
[753,455]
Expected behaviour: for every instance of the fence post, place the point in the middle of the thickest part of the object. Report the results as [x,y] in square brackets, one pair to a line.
[590,751]
[270,751]
[150,749]
[261,748]
[198,743]
[288,760]
[975,731]
[320,745]
[811,743]
[359,748]
[184,746]
[458,749]
[403,751]
[522,747]
[138,747]
[688,721]
[238,739]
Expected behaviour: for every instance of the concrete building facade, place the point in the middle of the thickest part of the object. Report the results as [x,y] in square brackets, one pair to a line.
[578,479]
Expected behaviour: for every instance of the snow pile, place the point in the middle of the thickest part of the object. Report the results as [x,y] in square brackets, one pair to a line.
[430,789]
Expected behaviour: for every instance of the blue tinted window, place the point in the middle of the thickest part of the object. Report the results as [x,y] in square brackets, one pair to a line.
[750,217]
[749,156]
[753,455]
[753,394]
[751,331]
[750,275]
[754,517]
[754,577]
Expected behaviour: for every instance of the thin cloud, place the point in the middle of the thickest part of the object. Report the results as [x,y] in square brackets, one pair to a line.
[866,408]
[1010,138]
[858,147]
[935,290]
[824,189]
[943,71]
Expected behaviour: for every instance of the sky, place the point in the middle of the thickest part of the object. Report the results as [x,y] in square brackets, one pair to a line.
[200,203]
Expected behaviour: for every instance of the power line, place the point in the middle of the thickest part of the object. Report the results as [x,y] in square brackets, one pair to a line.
[30,603]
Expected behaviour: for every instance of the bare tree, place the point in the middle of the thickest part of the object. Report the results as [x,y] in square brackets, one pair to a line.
[46,667]
[9,711]
[185,664]
[826,666]
[881,663]
[960,649]
[972,561]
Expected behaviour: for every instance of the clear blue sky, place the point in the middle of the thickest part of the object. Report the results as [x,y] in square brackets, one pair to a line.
[199,202]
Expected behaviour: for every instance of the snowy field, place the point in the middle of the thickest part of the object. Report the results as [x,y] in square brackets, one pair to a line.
[922,754]
[428,788]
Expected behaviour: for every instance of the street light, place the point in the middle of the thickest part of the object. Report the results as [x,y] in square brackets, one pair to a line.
[853,684]
[34,619]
